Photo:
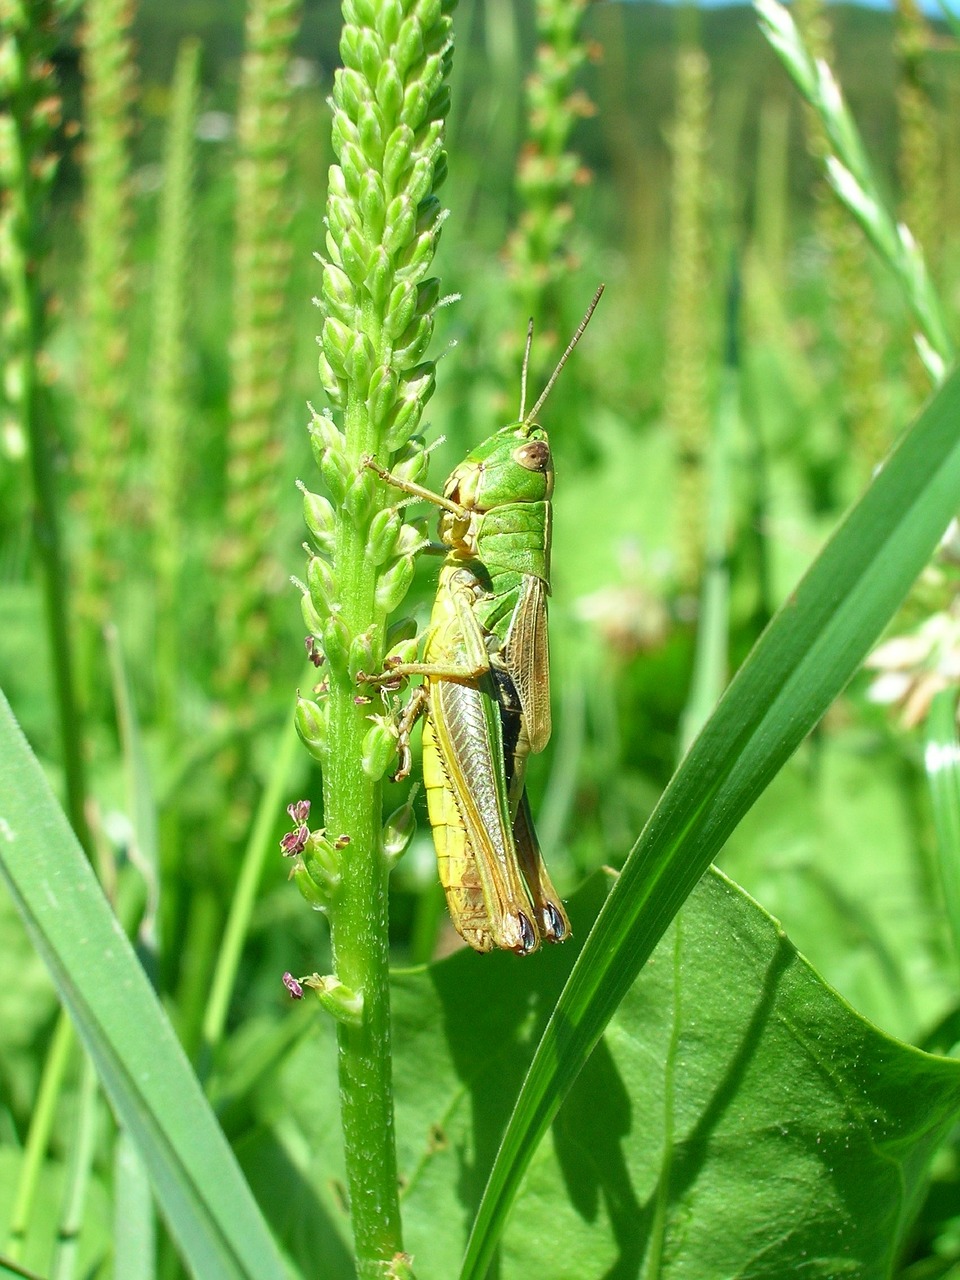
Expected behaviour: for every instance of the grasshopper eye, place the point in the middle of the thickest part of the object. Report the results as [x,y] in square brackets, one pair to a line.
[533,456]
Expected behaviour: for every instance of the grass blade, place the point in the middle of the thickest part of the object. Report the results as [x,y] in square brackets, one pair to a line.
[154,1093]
[803,660]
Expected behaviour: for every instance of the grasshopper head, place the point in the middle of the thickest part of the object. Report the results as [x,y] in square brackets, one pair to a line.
[514,465]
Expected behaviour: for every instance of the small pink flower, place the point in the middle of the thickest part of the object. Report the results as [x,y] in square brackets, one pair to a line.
[293,986]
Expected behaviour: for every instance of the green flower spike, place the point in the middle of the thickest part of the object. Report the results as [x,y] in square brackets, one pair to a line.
[378,302]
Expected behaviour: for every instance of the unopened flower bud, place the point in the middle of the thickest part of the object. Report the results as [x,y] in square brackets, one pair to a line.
[379,748]
[379,274]
[382,538]
[414,340]
[403,652]
[394,584]
[412,461]
[318,515]
[336,339]
[363,654]
[402,309]
[398,830]
[320,581]
[396,154]
[345,1005]
[359,498]
[389,90]
[311,724]
[381,395]
[321,860]
[412,538]
[336,644]
[318,898]
[311,619]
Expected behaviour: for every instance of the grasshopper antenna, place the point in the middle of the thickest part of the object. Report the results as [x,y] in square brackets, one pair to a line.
[563,359]
[523,371]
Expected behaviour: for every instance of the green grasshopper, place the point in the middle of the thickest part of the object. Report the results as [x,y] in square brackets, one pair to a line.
[485,694]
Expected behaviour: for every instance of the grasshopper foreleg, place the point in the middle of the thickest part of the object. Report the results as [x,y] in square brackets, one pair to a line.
[415,490]
[473,658]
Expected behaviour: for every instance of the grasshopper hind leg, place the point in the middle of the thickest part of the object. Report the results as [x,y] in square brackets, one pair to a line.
[551,919]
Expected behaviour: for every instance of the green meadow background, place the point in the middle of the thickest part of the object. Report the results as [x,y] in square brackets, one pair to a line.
[749,366]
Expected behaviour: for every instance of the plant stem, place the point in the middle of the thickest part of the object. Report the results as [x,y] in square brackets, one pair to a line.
[244,899]
[167,374]
[41,1126]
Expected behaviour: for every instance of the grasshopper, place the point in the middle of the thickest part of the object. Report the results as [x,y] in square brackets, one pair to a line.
[485,694]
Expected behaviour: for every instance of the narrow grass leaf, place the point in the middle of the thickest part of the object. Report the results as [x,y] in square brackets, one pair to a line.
[134,1230]
[801,662]
[155,1095]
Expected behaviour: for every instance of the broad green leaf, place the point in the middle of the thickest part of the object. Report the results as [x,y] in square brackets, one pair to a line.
[151,1086]
[833,850]
[738,1117]
[802,661]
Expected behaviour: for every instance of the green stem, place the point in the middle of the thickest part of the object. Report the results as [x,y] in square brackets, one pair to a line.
[244,900]
[942,761]
[78,1175]
[57,616]
[167,377]
[41,1126]
[359,926]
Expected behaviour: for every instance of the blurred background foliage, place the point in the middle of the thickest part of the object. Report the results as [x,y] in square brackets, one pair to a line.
[736,292]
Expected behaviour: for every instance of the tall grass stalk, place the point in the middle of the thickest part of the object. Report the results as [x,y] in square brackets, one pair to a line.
[539,253]
[688,337]
[918,158]
[261,342]
[772,188]
[79,1169]
[42,1117]
[168,405]
[383,221]
[711,661]
[107,220]
[29,115]
[851,176]
[853,303]
[243,901]
[918,144]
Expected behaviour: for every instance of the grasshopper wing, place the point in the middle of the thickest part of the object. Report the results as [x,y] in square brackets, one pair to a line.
[463,753]
[526,656]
